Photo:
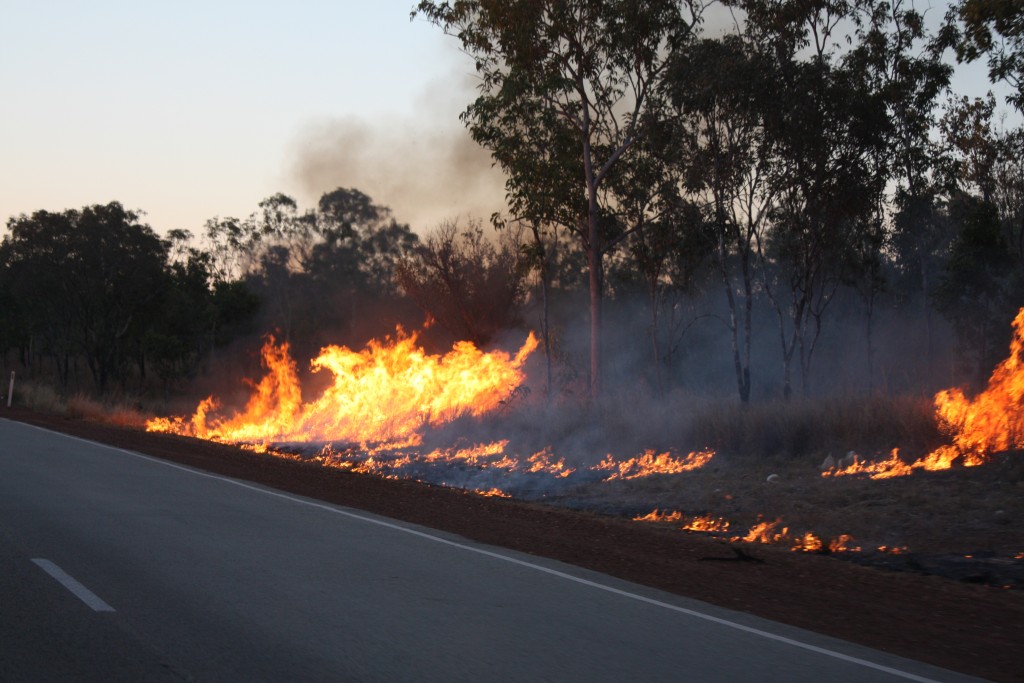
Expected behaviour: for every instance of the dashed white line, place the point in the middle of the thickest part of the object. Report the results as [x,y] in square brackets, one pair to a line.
[768,635]
[69,582]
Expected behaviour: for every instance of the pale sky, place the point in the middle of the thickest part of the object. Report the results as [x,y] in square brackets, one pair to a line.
[188,110]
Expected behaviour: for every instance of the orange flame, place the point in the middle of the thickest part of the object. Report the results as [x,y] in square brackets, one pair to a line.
[808,543]
[386,393]
[382,400]
[492,493]
[544,461]
[473,455]
[893,550]
[651,463]
[658,516]
[764,532]
[707,524]
[703,523]
[992,422]
[770,533]
[839,544]
[878,469]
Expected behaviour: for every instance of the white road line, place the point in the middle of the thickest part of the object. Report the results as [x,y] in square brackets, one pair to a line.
[69,582]
[512,560]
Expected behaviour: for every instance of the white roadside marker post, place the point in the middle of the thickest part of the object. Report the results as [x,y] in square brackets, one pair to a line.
[10,390]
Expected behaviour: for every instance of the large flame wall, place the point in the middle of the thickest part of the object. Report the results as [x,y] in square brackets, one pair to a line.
[385,393]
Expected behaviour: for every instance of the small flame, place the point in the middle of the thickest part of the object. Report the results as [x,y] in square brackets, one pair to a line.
[808,543]
[893,550]
[839,545]
[651,463]
[544,461]
[764,532]
[773,533]
[769,533]
[658,516]
[707,524]
[878,469]
[474,455]
[492,493]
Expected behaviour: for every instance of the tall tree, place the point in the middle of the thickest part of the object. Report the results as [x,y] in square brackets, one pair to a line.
[99,273]
[826,134]
[37,285]
[902,56]
[584,71]
[719,91]
[993,29]
[980,288]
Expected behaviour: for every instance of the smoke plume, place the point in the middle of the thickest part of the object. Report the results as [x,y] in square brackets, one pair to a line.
[425,166]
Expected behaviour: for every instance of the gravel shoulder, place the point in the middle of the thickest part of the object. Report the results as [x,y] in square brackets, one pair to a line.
[973,629]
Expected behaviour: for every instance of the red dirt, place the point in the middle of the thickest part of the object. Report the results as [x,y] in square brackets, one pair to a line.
[976,630]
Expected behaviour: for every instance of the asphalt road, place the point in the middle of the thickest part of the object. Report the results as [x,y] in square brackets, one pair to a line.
[118,566]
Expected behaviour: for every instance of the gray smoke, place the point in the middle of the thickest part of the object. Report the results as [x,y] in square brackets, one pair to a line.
[425,167]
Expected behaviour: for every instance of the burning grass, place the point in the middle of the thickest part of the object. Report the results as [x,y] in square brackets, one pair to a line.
[458,419]
[385,394]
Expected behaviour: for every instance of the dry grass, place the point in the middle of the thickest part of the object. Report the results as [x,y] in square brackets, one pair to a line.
[628,423]
[119,414]
[803,428]
[41,397]
[45,399]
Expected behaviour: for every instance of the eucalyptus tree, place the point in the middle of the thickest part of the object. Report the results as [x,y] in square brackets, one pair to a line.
[904,62]
[314,270]
[896,57]
[362,242]
[586,72]
[980,288]
[981,283]
[41,311]
[719,90]
[825,128]
[89,283]
[993,29]
[1009,191]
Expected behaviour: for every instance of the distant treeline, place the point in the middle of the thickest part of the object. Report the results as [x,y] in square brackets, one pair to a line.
[742,211]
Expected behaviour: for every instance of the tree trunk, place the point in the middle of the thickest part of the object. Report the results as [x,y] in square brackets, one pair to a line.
[929,349]
[871,345]
[655,348]
[594,262]
[545,287]
[748,321]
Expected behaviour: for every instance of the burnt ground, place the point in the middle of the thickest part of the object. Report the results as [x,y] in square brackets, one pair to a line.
[969,627]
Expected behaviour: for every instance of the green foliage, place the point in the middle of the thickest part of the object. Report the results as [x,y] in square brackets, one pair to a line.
[87,282]
[993,29]
[316,274]
[567,90]
[98,286]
